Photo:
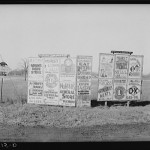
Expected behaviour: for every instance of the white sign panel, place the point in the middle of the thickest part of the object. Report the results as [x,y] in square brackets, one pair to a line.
[121,66]
[135,66]
[105,89]
[119,89]
[67,81]
[106,65]
[51,81]
[84,70]
[35,69]
[133,89]
[35,92]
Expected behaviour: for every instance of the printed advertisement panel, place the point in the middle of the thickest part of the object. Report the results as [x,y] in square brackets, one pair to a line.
[119,89]
[35,70]
[133,89]
[67,93]
[105,90]
[121,66]
[135,66]
[68,69]
[35,92]
[51,81]
[84,68]
[106,65]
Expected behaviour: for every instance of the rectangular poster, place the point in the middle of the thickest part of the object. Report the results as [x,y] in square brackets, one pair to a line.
[119,89]
[106,65]
[105,89]
[67,81]
[134,89]
[135,66]
[121,66]
[35,69]
[51,80]
[84,70]
[35,92]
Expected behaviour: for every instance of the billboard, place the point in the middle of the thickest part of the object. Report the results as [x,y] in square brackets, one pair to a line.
[51,80]
[106,65]
[67,81]
[35,92]
[35,69]
[133,89]
[135,66]
[84,70]
[119,89]
[105,89]
[121,66]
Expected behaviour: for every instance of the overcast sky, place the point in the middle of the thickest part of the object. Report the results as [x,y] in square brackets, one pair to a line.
[29,30]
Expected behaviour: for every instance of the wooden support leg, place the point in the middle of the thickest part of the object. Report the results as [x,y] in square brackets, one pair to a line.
[105,103]
[128,103]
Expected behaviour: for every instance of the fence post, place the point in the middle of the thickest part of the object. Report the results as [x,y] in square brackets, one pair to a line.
[2,90]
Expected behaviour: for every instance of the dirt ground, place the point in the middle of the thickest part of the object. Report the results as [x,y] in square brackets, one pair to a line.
[109,132]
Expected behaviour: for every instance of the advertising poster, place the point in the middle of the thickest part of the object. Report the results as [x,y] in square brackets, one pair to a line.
[67,93]
[133,89]
[84,70]
[105,90]
[106,65]
[35,92]
[121,66]
[35,70]
[119,89]
[135,66]
[51,81]
[67,81]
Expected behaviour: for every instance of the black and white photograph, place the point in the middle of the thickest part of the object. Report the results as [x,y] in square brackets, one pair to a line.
[74,73]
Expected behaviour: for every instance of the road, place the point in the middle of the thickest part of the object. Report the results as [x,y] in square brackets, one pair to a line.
[125,132]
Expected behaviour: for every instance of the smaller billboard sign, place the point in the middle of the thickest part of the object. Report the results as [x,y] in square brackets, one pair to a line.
[35,92]
[106,65]
[135,66]
[119,89]
[134,89]
[121,66]
[105,89]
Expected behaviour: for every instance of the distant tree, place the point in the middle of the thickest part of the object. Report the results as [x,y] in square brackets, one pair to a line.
[24,66]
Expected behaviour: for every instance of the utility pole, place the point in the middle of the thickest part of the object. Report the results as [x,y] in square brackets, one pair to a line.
[2,90]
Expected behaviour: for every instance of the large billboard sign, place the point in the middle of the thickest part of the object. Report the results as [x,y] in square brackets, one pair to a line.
[51,80]
[106,65]
[119,89]
[84,70]
[121,66]
[135,66]
[105,90]
[67,81]
[133,89]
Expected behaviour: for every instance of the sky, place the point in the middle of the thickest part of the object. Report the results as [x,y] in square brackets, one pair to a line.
[77,29]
